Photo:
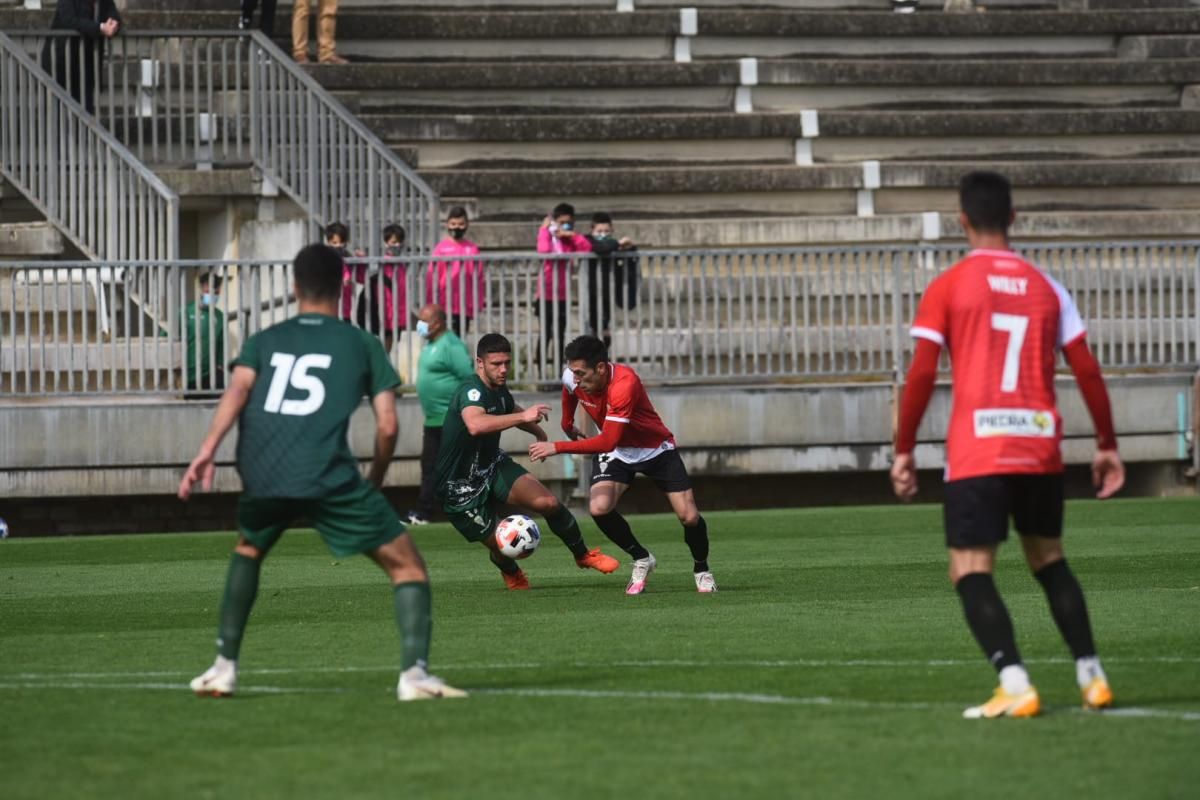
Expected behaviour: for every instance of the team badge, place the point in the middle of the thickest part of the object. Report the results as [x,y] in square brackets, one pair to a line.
[473,395]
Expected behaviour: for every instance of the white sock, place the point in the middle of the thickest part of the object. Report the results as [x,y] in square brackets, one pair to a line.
[1088,669]
[1014,679]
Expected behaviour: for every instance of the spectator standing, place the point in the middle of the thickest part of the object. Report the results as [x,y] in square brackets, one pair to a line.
[204,333]
[326,32]
[613,273]
[383,303]
[266,22]
[73,60]
[444,365]
[458,286]
[557,235]
[337,236]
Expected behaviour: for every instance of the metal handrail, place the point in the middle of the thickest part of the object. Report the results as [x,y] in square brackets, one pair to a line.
[58,156]
[202,98]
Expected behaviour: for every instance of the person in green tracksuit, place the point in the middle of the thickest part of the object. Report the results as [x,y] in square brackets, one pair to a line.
[292,392]
[444,365]
[204,333]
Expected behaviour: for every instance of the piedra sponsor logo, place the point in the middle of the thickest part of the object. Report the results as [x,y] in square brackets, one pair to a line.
[1030,422]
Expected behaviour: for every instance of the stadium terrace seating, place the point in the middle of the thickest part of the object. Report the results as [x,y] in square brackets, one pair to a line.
[763,124]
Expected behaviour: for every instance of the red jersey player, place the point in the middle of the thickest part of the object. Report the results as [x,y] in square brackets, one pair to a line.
[1003,320]
[632,439]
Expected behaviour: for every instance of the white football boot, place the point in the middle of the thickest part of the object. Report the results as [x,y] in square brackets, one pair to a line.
[417,684]
[219,680]
[642,568]
[705,583]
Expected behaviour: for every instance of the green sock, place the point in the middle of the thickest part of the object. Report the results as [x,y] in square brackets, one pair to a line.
[414,616]
[241,587]
[563,523]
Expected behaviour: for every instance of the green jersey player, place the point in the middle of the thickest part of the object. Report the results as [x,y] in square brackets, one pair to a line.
[292,392]
[473,473]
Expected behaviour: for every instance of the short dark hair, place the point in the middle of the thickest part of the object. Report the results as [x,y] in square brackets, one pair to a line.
[209,279]
[318,273]
[986,199]
[337,229]
[457,212]
[563,209]
[394,230]
[601,218]
[587,349]
[492,343]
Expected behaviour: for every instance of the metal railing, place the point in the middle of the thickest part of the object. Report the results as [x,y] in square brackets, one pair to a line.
[701,316]
[228,98]
[75,172]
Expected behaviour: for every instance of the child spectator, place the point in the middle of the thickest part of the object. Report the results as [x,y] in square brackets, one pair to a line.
[611,274]
[557,235]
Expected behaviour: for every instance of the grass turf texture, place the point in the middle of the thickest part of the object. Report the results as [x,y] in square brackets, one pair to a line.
[813,672]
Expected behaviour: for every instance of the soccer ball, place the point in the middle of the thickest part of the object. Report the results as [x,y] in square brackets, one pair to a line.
[518,536]
[3,529]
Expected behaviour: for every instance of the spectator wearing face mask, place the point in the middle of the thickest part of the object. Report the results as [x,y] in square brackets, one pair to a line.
[612,274]
[456,283]
[204,334]
[557,235]
[444,365]
[383,303]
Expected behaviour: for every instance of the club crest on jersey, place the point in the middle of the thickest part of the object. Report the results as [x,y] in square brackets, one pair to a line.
[1026,422]
[473,395]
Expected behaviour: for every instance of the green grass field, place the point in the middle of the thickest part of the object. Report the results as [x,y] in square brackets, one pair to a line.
[833,663]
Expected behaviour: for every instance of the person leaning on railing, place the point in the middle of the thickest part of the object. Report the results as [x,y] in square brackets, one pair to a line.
[204,332]
[72,60]
[612,273]
[557,235]
[459,286]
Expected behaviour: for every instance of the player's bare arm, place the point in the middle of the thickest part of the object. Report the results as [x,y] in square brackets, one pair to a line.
[386,432]
[533,428]
[481,423]
[202,468]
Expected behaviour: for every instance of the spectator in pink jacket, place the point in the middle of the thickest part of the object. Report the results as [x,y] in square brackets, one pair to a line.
[383,302]
[458,286]
[558,235]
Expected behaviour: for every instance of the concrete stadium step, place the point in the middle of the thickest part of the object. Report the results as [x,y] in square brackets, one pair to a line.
[464,140]
[763,230]
[30,240]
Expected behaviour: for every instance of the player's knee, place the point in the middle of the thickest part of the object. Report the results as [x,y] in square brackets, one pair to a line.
[244,548]
[599,506]
[689,518]
[547,505]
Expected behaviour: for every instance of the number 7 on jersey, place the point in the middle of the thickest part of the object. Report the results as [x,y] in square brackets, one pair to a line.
[1015,326]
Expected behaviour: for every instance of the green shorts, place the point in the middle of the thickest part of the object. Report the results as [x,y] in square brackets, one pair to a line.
[357,520]
[477,521]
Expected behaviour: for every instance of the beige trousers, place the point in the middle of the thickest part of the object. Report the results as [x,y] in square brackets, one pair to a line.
[326,28]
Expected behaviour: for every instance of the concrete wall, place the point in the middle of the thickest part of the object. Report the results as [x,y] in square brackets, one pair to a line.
[73,449]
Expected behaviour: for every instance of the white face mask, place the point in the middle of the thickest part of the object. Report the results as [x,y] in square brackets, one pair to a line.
[422,329]
[206,299]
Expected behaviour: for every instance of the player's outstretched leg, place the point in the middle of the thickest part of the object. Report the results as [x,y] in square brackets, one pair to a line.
[602,504]
[1070,613]
[528,492]
[514,577]
[989,621]
[241,589]
[414,617]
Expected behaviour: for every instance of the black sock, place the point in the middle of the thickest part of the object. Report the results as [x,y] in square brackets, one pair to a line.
[504,563]
[696,537]
[617,529]
[563,523]
[988,619]
[1068,607]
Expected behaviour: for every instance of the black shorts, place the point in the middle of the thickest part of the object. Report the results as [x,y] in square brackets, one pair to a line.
[977,510]
[665,469]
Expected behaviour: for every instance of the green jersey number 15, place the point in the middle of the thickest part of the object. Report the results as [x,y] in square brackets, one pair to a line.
[293,370]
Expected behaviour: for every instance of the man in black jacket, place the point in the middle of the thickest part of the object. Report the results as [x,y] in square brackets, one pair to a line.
[73,60]
[266,23]
[612,274]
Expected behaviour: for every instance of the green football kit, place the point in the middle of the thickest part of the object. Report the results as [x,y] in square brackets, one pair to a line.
[292,452]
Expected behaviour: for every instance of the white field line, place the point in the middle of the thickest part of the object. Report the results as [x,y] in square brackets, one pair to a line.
[636,664]
[607,694]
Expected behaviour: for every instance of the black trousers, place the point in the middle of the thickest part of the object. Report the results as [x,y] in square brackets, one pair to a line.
[431,442]
[267,23]
[554,328]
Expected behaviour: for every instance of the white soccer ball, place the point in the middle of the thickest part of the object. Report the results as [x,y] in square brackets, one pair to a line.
[518,536]
[3,529]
